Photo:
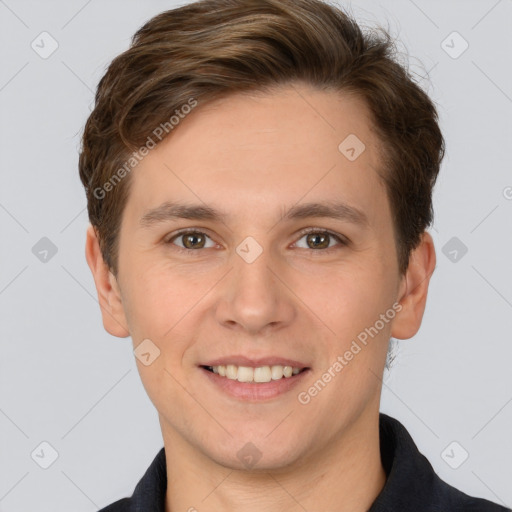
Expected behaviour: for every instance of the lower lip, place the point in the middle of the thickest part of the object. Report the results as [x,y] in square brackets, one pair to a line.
[255,391]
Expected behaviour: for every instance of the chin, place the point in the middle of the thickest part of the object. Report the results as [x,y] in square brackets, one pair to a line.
[256,455]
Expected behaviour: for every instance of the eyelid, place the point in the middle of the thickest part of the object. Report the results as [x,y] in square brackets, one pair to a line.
[341,238]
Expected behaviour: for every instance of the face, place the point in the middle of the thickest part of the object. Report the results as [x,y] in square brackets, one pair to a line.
[254,275]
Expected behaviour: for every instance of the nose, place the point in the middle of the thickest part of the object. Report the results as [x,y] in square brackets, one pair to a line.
[254,297]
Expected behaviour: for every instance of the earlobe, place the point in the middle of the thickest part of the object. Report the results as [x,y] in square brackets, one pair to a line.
[414,289]
[109,297]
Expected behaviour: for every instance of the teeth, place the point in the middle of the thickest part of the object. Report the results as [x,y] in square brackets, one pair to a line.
[259,374]
[262,374]
[277,372]
[231,371]
[245,374]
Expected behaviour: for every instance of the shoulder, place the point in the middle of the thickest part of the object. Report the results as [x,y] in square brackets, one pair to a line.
[122,505]
[458,501]
[149,493]
[412,483]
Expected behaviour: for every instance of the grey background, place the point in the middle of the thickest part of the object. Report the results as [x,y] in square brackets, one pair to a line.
[65,381]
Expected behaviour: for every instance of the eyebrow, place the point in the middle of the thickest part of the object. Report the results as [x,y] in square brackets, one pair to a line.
[175,210]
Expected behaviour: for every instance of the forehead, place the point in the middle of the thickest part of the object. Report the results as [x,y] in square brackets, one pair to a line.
[261,151]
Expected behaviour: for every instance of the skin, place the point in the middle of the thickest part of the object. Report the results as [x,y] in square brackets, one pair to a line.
[254,156]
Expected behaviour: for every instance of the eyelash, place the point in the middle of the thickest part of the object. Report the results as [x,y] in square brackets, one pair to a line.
[339,238]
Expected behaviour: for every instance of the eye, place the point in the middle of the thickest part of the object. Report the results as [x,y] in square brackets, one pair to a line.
[321,239]
[190,240]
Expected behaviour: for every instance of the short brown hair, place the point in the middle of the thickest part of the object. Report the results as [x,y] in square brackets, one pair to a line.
[213,48]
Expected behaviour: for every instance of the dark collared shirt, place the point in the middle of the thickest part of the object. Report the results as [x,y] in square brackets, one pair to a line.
[411,484]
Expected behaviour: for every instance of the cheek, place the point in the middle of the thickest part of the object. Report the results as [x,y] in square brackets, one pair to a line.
[353,312]
[157,298]
[357,295]
[159,305]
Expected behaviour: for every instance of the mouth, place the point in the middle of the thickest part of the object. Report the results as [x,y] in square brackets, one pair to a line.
[258,374]
[254,380]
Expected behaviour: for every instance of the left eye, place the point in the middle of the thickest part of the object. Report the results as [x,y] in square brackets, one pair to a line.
[320,239]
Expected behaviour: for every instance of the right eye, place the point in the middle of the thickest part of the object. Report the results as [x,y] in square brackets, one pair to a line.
[191,239]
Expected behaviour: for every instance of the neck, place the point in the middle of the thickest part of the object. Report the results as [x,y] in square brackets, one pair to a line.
[347,476]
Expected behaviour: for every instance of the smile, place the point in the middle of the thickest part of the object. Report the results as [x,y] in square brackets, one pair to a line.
[259,374]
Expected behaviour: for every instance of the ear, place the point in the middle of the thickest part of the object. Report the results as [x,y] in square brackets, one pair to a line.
[109,296]
[413,289]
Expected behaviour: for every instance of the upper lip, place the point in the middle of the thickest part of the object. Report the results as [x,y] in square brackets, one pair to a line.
[239,360]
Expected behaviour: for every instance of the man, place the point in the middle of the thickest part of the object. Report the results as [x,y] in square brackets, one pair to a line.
[259,179]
